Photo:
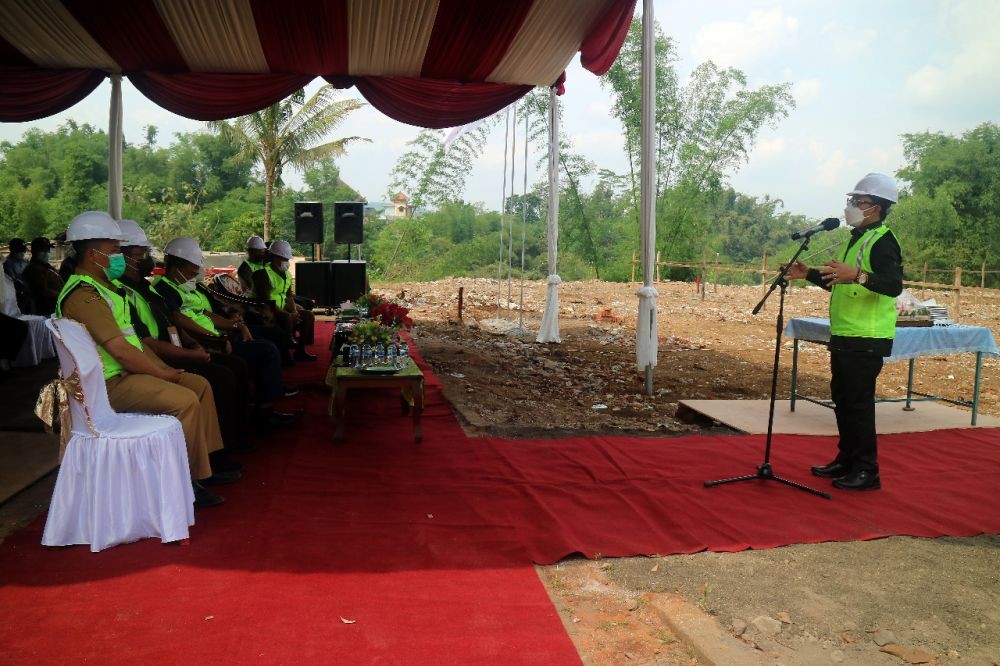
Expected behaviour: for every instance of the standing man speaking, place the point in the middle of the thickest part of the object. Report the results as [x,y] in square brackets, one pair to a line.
[863,282]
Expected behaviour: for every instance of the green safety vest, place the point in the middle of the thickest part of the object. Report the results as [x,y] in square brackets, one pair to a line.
[280,285]
[143,309]
[253,267]
[193,304]
[119,308]
[855,311]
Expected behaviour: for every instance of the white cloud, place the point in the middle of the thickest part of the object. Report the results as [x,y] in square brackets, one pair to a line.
[770,147]
[831,167]
[807,90]
[847,41]
[969,68]
[734,43]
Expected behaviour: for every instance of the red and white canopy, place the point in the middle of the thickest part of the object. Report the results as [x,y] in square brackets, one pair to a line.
[433,63]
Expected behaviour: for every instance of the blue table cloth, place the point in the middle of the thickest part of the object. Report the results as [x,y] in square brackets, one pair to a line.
[911,341]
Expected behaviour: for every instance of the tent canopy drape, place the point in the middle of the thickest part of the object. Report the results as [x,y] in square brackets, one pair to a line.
[431,63]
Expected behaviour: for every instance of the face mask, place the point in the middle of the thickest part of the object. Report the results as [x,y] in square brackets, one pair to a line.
[190,285]
[283,266]
[43,257]
[854,215]
[116,265]
[145,267]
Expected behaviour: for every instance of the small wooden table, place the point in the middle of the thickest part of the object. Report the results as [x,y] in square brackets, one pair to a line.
[409,380]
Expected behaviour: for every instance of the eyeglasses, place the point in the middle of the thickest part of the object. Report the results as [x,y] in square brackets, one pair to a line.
[855,201]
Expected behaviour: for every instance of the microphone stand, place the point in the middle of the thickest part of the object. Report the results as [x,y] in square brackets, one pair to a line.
[764,470]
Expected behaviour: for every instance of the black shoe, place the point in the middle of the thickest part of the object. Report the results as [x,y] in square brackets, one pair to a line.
[303,355]
[222,463]
[222,479]
[863,480]
[204,497]
[281,419]
[289,392]
[834,470]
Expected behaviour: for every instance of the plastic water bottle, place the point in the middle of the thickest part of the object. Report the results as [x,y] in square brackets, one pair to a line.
[380,354]
[366,355]
[355,356]
[404,355]
[390,355]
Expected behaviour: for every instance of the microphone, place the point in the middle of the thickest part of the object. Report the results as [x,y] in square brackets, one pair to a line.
[828,224]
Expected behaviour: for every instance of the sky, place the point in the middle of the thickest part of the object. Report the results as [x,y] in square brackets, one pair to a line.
[862,73]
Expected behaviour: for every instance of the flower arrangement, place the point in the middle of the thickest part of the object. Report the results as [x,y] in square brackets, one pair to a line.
[371,300]
[372,332]
[391,314]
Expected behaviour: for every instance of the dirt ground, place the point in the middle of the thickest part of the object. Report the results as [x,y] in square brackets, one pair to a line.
[898,600]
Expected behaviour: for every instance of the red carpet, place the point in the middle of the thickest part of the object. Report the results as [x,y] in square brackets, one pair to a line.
[427,548]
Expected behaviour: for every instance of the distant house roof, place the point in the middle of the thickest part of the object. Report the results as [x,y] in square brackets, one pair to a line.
[399,196]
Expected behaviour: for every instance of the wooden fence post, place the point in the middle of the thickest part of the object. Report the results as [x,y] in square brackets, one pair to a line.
[763,271]
[715,274]
[923,278]
[958,290]
[982,276]
[657,265]
[633,265]
[704,272]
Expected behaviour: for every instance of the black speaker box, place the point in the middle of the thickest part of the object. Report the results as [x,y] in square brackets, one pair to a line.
[314,279]
[308,222]
[348,222]
[350,280]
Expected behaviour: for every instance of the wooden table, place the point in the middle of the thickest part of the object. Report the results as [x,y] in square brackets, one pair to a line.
[409,381]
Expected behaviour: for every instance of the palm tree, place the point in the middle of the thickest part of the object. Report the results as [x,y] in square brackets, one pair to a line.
[285,133]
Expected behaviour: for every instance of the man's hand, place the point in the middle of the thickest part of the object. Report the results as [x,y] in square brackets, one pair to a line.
[172,375]
[797,271]
[837,272]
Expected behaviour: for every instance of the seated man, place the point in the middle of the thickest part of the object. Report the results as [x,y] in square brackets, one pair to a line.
[273,285]
[42,279]
[228,375]
[137,380]
[253,263]
[190,310]
[14,268]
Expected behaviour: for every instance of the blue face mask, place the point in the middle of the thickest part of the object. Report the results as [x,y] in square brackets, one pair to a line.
[116,265]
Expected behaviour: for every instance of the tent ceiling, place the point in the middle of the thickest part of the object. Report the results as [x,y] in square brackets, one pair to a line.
[433,63]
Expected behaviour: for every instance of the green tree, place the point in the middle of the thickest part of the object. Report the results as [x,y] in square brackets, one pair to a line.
[288,133]
[705,130]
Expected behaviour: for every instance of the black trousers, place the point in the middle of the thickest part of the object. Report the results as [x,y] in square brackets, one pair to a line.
[264,362]
[852,388]
[13,333]
[230,380]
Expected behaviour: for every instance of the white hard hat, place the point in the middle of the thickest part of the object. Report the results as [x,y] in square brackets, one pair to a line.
[133,235]
[280,248]
[256,243]
[185,248]
[93,225]
[877,185]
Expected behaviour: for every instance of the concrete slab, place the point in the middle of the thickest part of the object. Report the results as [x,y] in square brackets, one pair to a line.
[750,416]
[25,457]
[703,634]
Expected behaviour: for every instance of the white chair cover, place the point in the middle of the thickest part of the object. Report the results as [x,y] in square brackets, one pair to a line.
[123,477]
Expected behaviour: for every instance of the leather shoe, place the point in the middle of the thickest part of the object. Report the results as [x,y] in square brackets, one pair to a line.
[281,419]
[834,470]
[303,355]
[863,480]
[289,392]
[222,478]
[204,497]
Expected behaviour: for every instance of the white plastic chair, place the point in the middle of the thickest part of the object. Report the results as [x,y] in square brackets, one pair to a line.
[123,477]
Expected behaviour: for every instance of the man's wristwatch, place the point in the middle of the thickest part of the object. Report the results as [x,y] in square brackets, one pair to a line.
[862,278]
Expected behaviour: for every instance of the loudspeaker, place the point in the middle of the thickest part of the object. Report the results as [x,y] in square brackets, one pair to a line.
[348,222]
[350,280]
[314,279]
[308,222]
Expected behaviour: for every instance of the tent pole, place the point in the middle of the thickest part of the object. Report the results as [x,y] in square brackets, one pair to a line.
[524,217]
[549,330]
[510,231]
[115,147]
[646,334]
[503,202]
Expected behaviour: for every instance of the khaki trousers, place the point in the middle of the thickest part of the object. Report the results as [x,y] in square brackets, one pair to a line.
[190,400]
